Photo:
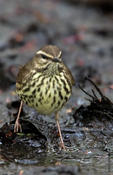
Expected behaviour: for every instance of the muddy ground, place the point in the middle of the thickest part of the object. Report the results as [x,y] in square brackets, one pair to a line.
[85,35]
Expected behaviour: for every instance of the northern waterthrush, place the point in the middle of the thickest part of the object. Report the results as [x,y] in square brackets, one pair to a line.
[44,83]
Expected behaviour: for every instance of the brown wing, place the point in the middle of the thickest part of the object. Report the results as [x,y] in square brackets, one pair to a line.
[68,74]
[24,73]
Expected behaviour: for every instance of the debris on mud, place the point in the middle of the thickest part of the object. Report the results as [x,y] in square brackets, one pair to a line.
[99,110]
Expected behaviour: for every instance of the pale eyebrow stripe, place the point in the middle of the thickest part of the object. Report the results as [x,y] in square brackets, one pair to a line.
[43,53]
[59,54]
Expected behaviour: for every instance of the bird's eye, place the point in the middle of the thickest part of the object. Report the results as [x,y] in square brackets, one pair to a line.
[44,56]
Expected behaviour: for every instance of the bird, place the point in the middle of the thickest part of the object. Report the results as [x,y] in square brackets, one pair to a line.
[45,84]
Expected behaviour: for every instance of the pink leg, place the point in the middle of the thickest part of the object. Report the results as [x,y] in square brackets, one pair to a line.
[59,130]
[17,126]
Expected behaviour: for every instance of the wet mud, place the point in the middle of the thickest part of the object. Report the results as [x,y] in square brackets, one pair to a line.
[84,32]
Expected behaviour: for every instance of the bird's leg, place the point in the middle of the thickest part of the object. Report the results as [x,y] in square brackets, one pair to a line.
[17,126]
[59,130]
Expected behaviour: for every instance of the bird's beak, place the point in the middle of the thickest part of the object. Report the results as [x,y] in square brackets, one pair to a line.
[57,60]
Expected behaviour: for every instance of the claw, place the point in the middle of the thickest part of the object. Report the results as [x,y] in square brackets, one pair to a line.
[17,126]
[62,146]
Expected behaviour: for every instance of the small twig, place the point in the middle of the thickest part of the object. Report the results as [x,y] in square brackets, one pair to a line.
[94,94]
[86,92]
[88,100]
[98,90]
[104,113]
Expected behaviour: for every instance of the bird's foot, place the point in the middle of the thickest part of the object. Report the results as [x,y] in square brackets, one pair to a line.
[62,146]
[17,126]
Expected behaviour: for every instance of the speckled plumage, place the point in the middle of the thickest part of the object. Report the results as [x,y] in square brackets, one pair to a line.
[45,83]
